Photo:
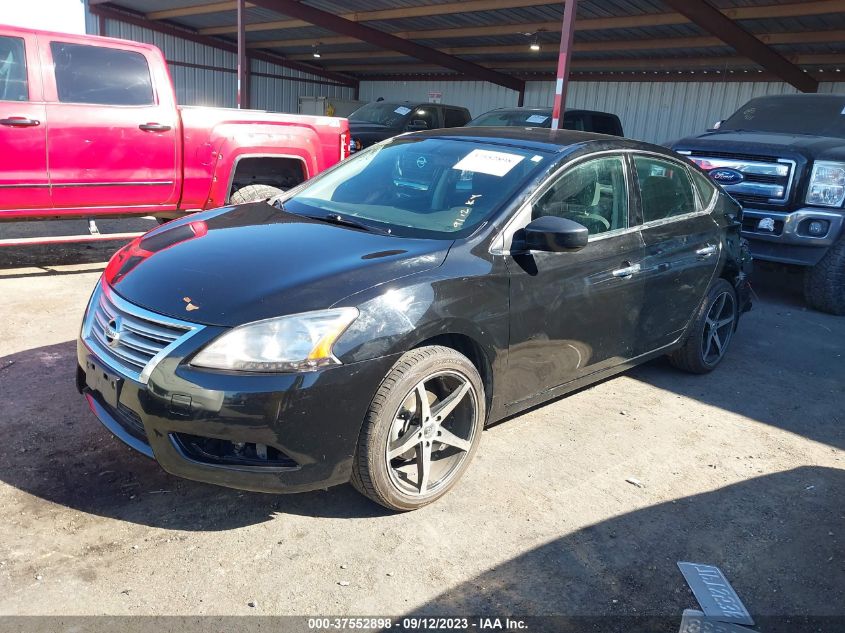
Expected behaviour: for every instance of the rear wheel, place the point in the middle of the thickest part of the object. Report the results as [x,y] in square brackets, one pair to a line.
[824,283]
[711,332]
[254,193]
[422,429]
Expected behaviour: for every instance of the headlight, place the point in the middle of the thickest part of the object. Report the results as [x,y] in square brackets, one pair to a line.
[827,184]
[290,343]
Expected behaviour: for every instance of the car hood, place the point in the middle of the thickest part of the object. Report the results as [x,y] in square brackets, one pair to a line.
[764,143]
[239,264]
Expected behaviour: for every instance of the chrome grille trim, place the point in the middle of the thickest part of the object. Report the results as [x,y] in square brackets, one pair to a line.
[769,180]
[146,337]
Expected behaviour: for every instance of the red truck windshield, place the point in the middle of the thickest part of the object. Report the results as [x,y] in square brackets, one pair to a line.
[812,115]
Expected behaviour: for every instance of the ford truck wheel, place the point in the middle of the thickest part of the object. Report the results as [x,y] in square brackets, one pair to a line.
[824,283]
[254,193]
[422,429]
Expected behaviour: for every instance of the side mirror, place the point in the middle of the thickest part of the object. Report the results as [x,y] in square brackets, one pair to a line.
[417,125]
[552,234]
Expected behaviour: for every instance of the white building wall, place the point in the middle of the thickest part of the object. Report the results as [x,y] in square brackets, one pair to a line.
[650,111]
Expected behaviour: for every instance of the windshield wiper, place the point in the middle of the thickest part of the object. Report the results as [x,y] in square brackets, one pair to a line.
[336,218]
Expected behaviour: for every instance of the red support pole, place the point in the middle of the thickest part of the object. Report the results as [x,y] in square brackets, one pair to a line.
[563,62]
[243,62]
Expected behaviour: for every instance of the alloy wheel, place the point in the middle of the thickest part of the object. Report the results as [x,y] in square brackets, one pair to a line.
[718,328]
[432,433]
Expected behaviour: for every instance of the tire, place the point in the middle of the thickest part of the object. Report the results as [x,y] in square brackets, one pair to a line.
[824,283]
[396,422]
[701,353]
[254,193]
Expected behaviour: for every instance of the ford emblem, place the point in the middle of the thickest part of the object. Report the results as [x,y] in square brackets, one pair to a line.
[727,176]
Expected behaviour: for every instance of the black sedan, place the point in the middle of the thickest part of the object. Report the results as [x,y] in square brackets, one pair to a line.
[372,321]
[581,120]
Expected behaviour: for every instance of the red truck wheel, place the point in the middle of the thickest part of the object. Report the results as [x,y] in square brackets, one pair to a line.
[254,193]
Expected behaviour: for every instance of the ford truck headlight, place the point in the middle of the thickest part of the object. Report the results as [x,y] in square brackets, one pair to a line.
[298,342]
[827,184]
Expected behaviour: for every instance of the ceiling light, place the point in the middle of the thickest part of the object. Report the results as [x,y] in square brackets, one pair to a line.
[535,43]
[316,51]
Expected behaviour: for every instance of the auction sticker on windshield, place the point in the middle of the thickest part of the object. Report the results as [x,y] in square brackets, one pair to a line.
[402,110]
[536,118]
[482,161]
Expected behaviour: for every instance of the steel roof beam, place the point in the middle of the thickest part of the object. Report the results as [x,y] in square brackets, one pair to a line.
[704,41]
[718,24]
[381,39]
[712,64]
[447,8]
[816,7]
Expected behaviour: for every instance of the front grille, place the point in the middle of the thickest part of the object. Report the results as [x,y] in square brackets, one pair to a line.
[130,338]
[765,179]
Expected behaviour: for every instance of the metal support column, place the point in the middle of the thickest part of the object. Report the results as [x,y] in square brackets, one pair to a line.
[563,62]
[243,61]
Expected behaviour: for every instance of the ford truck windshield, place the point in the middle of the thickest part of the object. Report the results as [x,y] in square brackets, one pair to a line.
[811,115]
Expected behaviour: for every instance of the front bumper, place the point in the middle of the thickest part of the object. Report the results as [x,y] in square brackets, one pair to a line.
[789,241]
[309,422]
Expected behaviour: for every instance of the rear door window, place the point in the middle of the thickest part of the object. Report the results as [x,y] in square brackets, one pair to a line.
[455,117]
[13,80]
[665,188]
[604,124]
[100,75]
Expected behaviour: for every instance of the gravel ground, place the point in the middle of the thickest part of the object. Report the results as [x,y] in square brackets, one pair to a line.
[742,468]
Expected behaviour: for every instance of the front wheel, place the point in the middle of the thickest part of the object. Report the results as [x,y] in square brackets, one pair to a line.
[422,429]
[824,283]
[711,331]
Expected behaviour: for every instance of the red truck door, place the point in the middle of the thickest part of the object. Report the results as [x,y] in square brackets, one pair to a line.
[112,133]
[24,183]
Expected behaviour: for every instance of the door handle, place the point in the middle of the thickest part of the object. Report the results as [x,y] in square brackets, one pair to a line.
[706,252]
[153,127]
[20,121]
[627,271]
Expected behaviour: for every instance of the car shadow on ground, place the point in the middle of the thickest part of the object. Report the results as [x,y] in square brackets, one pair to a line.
[784,559]
[55,449]
[785,366]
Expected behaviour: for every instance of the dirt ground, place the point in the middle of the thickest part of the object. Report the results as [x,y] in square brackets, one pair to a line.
[743,468]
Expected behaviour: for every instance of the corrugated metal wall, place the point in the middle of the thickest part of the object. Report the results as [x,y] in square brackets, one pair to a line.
[204,86]
[654,112]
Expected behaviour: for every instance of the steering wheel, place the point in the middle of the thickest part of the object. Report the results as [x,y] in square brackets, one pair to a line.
[592,216]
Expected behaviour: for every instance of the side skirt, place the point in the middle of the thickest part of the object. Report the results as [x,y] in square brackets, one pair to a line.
[583,381]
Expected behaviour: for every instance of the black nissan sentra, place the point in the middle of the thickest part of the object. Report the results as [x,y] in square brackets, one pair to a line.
[368,324]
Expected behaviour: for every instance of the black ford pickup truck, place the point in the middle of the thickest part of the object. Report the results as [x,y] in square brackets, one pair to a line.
[783,158]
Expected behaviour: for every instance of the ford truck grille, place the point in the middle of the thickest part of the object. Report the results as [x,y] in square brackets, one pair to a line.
[749,178]
[129,338]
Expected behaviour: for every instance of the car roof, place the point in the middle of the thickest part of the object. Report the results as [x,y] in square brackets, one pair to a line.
[416,104]
[544,139]
[549,110]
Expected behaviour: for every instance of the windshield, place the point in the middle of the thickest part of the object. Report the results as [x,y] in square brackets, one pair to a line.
[814,115]
[383,113]
[430,187]
[508,118]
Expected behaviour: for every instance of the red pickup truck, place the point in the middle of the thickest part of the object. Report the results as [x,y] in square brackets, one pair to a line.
[89,127]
